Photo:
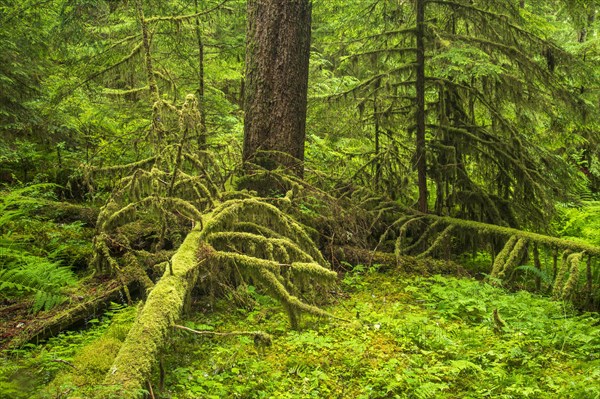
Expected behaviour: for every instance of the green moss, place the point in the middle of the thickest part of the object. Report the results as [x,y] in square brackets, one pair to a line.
[574,273]
[439,241]
[485,228]
[404,226]
[513,259]
[502,256]
[424,236]
[561,274]
[163,307]
[230,213]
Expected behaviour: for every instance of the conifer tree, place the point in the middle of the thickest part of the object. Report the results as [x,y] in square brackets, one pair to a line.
[277,55]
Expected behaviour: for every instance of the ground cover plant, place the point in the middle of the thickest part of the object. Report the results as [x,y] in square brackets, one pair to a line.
[410,337]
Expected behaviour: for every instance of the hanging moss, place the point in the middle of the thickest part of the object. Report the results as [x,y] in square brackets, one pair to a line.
[502,256]
[441,238]
[561,274]
[262,243]
[574,272]
[423,237]
[402,234]
[231,213]
[270,248]
[513,259]
[266,273]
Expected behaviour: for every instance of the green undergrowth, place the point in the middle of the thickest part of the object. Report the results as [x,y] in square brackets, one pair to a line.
[38,255]
[68,365]
[411,337]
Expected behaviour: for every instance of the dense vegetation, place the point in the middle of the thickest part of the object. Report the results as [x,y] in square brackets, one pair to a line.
[190,208]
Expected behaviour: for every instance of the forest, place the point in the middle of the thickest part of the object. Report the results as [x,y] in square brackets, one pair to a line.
[299,199]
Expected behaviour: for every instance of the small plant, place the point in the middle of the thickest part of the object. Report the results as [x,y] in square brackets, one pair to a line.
[22,271]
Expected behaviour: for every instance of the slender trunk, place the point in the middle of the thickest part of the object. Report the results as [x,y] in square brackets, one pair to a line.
[152,86]
[200,91]
[157,124]
[377,143]
[420,114]
[276,83]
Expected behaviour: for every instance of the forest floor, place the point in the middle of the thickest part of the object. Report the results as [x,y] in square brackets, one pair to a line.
[406,337]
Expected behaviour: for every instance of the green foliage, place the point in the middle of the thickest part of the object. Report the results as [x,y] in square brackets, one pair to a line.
[27,274]
[411,338]
[27,270]
[582,222]
[61,364]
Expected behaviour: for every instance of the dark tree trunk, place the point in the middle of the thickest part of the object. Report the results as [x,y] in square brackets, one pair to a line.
[277,54]
[420,154]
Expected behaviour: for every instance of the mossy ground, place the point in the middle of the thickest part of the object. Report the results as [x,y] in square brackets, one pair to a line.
[412,338]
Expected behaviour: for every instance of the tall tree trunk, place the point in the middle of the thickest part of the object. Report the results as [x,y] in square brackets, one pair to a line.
[200,92]
[377,140]
[277,55]
[421,154]
[157,124]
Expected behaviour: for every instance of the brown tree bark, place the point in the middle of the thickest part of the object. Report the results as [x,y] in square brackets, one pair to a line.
[277,56]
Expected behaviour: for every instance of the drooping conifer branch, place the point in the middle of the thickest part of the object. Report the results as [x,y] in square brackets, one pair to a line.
[485,228]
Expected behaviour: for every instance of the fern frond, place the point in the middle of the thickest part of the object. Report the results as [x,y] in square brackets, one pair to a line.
[545,277]
[46,280]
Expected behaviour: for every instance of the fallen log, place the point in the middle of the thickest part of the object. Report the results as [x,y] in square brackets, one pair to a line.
[133,364]
[387,261]
[51,323]
[249,237]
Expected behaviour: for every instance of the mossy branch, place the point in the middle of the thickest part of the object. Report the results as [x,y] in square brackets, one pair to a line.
[502,256]
[424,236]
[515,256]
[441,238]
[403,229]
[550,241]
[561,274]
[571,266]
[228,214]
[574,273]
[134,361]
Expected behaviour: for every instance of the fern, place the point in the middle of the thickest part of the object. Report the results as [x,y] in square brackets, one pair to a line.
[14,204]
[25,274]
[547,279]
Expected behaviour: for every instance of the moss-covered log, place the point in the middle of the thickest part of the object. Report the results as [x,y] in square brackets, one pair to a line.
[132,366]
[48,324]
[403,263]
[550,241]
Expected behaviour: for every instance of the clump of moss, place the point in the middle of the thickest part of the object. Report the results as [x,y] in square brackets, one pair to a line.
[88,368]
